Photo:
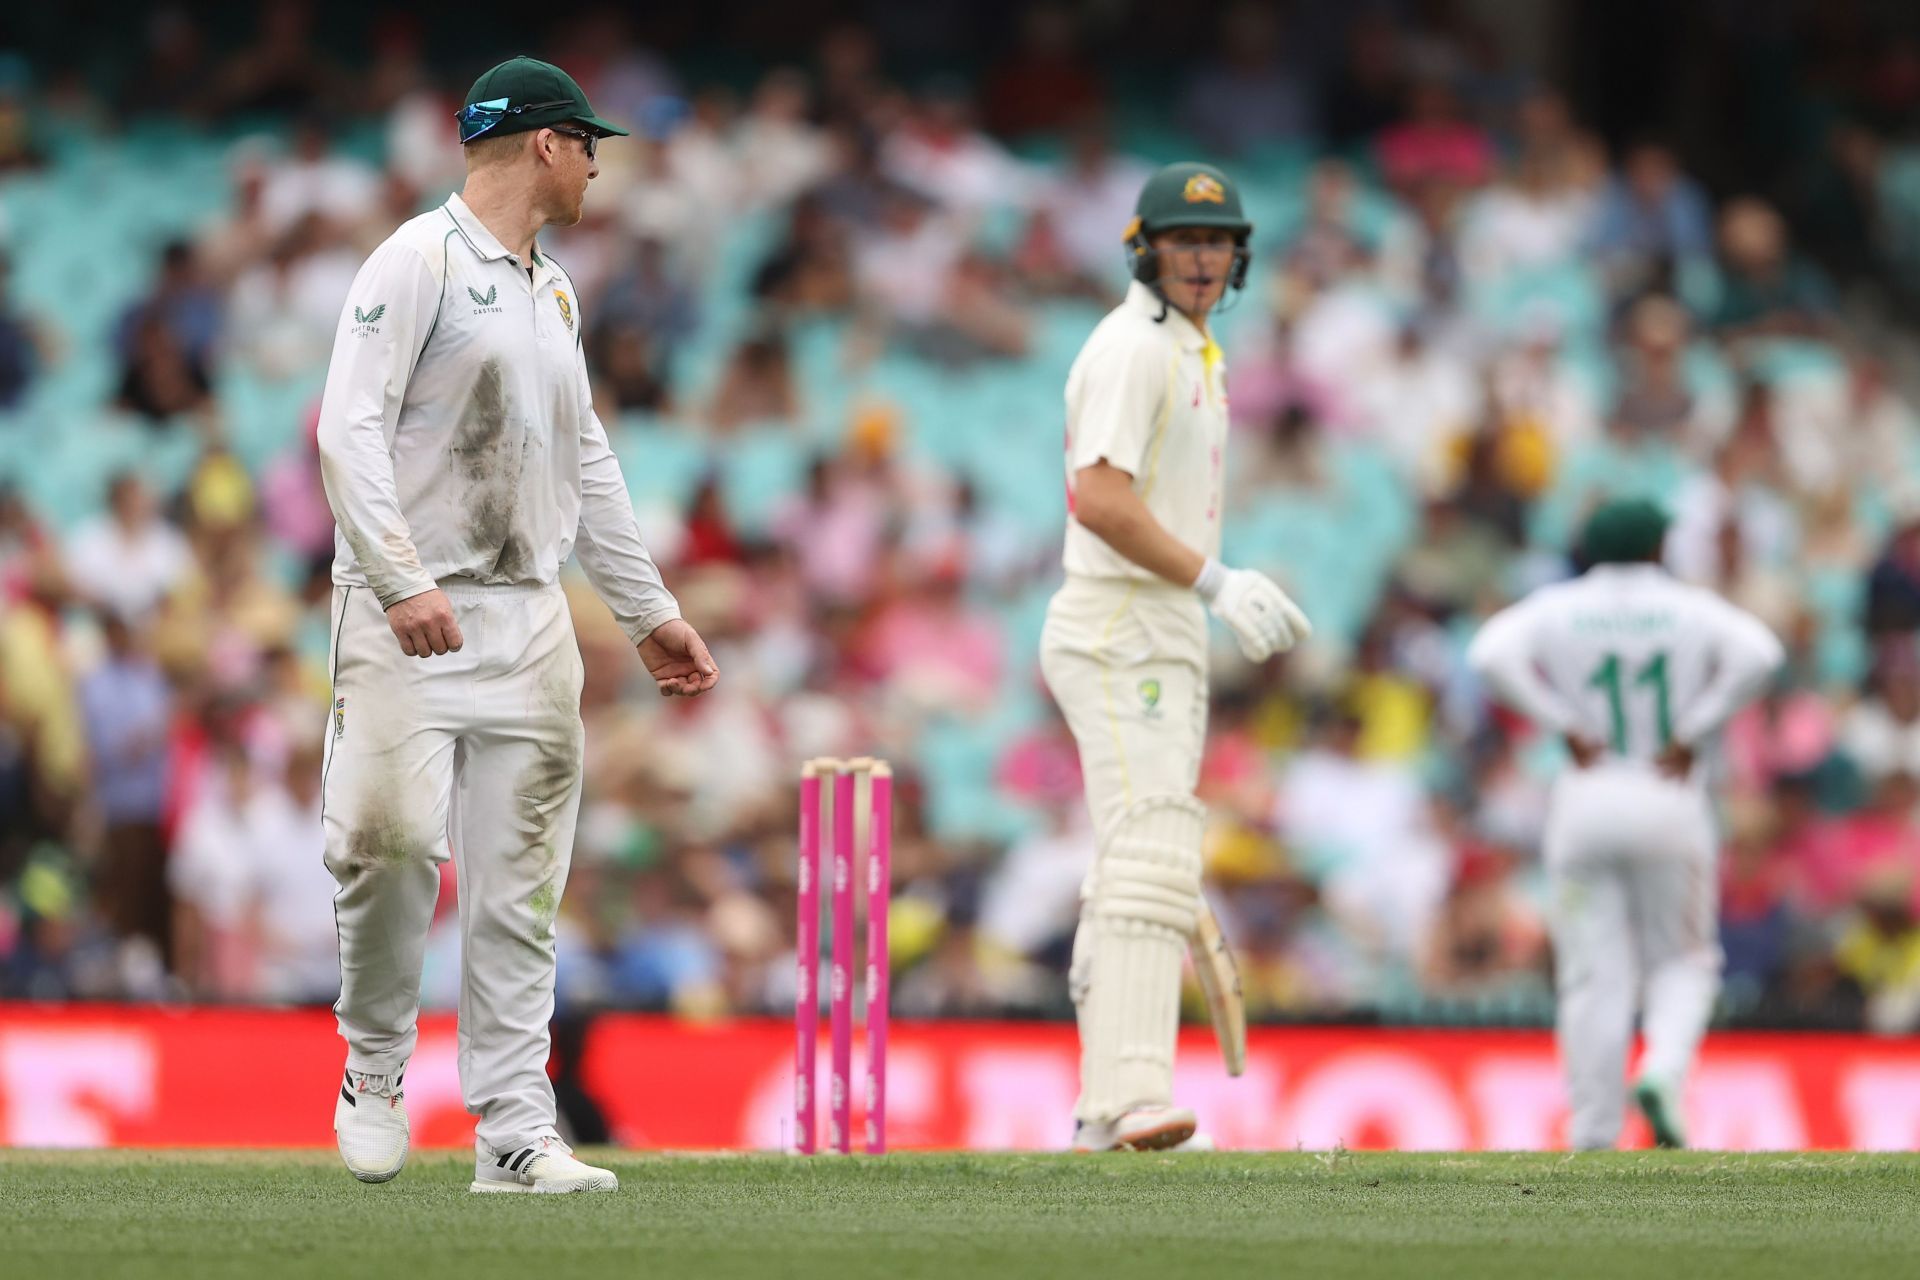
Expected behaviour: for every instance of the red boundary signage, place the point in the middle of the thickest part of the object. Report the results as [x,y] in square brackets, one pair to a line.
[98,1076]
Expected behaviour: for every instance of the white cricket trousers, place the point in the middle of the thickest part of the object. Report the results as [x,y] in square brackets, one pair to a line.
[1631,866]
[1127,664]
[474,755]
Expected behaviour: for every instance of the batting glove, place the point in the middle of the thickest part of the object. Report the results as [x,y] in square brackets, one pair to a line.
[1253,606]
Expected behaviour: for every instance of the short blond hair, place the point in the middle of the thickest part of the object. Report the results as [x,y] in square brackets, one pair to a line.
[484,153]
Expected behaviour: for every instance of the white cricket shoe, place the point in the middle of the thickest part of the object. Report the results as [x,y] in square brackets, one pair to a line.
[546,1166]
[1150,1128]
[370,1123]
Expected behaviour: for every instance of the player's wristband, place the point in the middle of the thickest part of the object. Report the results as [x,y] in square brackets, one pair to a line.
[1213,576]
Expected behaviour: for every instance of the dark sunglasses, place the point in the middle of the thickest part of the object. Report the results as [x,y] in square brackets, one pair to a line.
[590,141]
[477,117]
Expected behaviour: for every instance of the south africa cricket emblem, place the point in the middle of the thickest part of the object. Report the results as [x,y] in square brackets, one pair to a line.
[339,717]
[566,308]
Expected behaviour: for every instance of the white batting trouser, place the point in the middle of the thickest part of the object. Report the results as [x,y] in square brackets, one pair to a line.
[1127,665]
[474,754]
[1630,861]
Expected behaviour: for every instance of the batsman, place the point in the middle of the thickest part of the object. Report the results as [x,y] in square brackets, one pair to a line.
[1124,649]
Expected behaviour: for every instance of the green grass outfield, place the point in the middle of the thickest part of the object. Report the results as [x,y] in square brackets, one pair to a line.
[266,1214]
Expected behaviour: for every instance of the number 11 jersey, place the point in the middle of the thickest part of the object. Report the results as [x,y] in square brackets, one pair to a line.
[1626,657]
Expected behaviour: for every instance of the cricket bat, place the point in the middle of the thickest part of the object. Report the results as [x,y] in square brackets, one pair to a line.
[1220,980]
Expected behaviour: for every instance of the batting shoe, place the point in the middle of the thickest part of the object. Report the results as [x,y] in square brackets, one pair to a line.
[545,1166]
[1659,1102]
[1150,1128]
[370,1124]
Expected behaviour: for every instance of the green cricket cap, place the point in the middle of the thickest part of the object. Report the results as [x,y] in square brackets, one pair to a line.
[523,94]
[1624,531]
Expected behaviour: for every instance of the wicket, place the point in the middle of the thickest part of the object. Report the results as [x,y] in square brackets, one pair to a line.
[841,802]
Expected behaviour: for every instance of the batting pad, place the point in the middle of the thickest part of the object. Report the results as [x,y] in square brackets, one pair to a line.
[1134,924]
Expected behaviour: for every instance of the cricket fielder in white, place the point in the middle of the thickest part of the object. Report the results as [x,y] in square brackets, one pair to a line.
[1638,672]
[1124,650]
[464,463]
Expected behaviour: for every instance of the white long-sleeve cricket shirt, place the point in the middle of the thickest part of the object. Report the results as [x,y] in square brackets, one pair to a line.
[1626,656]
[457,433]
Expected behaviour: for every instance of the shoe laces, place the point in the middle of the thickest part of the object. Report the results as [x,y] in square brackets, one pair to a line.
[380,1086]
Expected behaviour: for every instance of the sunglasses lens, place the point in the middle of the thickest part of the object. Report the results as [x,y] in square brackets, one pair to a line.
[478,117]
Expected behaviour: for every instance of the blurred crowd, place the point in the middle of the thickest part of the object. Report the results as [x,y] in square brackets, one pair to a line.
[1471,319]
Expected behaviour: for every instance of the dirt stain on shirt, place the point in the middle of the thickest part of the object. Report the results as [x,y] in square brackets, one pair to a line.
[487,457]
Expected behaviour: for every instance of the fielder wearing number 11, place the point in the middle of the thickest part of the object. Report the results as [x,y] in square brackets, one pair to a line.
[1637,672]
[1124,649]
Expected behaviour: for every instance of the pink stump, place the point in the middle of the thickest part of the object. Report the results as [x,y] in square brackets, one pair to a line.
[879,964]
[842,978]
[806,993]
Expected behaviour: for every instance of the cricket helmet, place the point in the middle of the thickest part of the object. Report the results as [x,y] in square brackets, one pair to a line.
[1187,194]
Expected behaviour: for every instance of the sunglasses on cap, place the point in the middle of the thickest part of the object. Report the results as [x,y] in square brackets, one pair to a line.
[477,117]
